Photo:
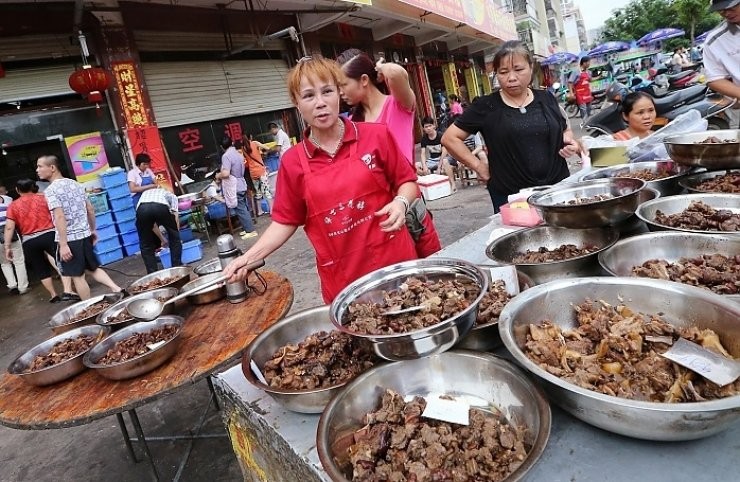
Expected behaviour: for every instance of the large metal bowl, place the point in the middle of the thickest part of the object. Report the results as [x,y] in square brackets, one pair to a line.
[181,273]
[138,365]
[680,305]
[484,381]
[666,186]
[683,148]
[60,322]
[208,295]
[418,343]
[116,309]
[60,371]
[503,250]
[208,267]
[485,337]
[554,208]
[676,204]
[668,245]
[293,330]
[690,183]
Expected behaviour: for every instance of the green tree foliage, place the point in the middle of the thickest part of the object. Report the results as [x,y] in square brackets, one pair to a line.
[640,17]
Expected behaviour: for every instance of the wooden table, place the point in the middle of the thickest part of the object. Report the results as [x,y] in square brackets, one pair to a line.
[213,337]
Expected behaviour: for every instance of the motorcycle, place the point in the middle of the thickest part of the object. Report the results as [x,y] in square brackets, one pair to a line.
[564,97]
[681,80]
[709,104]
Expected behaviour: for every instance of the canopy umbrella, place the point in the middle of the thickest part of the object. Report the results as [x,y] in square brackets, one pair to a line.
[701,38]
[560,58]
[608,47]
[660,35]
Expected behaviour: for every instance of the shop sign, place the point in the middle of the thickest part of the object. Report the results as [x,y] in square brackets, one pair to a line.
[471,81]
[88,156]
[146,139]
[483,15]
[129,92]
[449,73]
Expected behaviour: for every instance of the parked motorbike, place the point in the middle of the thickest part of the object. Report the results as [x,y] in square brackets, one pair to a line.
[562,93]
[681,80]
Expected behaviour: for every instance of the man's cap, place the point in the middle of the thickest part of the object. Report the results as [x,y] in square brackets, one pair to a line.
[723,4]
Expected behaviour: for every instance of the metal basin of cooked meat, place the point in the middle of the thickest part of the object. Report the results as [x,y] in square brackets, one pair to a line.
[117,317]
[82,313]
[680,305]
[725,181]
[693,150]
[661,175]
[174,277]
[720,273]
[287,334]
[648,212]
[621,198]
[372,288]
[485,382]
[505,249]
[57,358]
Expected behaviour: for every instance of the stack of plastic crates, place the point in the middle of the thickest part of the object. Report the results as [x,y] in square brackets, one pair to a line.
[109,248]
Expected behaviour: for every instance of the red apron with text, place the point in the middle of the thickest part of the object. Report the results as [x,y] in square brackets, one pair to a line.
[583,89]
[341,201]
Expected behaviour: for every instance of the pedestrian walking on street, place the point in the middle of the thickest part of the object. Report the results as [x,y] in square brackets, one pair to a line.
[158,207]
[580,87]
[232,179]
[12,262]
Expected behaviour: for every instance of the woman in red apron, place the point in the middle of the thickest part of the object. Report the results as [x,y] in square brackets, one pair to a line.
[345,183]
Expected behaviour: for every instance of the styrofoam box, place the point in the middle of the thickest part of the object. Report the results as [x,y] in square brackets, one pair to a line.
[434,186]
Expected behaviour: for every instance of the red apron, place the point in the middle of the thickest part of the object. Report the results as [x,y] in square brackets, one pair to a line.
[341,201]
[583,89]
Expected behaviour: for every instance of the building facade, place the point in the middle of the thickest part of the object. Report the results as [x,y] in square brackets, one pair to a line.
[576,36]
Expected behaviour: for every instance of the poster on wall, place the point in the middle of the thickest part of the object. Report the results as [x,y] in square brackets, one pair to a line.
[146,139]
[88,156]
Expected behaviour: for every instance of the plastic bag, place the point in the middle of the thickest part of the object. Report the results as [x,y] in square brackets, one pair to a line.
[652,147]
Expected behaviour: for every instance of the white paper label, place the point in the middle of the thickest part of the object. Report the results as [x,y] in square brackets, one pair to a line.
[508,275]
[257,372]
[447,410]
[154,346]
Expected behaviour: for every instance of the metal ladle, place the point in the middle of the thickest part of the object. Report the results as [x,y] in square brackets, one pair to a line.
[151,308]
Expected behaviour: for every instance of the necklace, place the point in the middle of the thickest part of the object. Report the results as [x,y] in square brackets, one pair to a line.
[333,152]
[511,101]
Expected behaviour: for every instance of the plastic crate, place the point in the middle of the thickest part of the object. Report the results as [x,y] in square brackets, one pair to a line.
[216,210]
[130,237]
[103,219]
[118,191]
[107,244]
[191,251]
[106,231]
[99,201]
[272,162]
[113,177]
[108,257]
[126,226]
[121,203]
[125,214]
[131,249]
[186,234]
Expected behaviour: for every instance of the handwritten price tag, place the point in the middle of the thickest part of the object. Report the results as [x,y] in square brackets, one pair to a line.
[447,409]
[710,365]
[508,275]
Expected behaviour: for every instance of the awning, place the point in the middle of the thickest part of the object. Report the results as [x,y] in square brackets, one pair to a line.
[484,16]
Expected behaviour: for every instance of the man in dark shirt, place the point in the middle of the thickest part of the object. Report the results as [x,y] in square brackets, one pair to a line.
[433,153]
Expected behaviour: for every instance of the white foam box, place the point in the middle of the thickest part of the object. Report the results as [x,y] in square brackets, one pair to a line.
[434,186]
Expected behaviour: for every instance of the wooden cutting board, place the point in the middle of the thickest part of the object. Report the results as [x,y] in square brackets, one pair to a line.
[213,338]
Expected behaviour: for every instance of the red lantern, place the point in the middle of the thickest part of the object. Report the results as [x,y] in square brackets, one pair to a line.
[90,82]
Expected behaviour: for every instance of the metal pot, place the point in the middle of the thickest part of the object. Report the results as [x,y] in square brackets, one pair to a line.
[666,186]
[60,322]
[690,182]
[688,149]
[180,273]
[208,295]
[677,204]
[208,267]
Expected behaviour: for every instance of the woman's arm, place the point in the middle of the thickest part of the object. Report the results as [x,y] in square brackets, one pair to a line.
[452,140]
[275,236]
[571,146]
[397,80]
[396,209]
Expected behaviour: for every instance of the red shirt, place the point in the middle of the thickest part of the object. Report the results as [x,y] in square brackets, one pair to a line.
[374,142]
[30,213]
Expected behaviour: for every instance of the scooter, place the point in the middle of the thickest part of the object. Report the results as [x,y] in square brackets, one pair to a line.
[681,80]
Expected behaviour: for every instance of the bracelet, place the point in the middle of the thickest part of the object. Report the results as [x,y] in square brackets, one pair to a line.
[404,201]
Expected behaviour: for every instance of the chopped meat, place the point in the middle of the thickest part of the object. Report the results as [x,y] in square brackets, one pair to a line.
[136,345]
[153,284]
[717,140]
[716,272]
[124,315]
[61,351]
[587,200]
[492,303]
[729,183]
[545,255]
[647,174]
[701,217]
[91,310]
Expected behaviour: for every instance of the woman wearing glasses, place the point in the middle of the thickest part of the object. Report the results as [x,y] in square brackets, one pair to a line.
[526,131]
[344,183]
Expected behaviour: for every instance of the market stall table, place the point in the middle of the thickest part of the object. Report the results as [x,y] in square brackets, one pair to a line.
[272,443]
[212,339]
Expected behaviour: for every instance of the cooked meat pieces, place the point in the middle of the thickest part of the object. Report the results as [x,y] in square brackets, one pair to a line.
[729,183]
[321,360]
[91,310]
[61,351]
[153,284]
[545,255]
[717,140]
[399,445]
[136,345]
[492,303]
[442,299]
[716,272]
[124,315]
[591,199]
[647,174]
[615,350]
[700,217]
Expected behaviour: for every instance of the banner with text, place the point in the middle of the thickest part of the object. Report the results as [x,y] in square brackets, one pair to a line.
[484,16]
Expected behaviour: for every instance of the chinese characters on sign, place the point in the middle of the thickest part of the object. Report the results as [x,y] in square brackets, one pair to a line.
[129,93]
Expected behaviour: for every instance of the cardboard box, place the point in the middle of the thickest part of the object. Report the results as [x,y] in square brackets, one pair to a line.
[434,186]
[608,156]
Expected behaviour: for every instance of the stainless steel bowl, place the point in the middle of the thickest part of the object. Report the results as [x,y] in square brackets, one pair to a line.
[666,186]
[418,343]
[208,295]
[554,208]
[60,322]
[181,273]
[690,182]
[676,204]
[484,381]
[683,148]
[679,304]
[116,309]
[209,267]
[503,250]
[293,330]
[485,337]
[60,371]
[138,365]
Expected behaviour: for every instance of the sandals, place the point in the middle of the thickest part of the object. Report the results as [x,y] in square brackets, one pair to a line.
[55,299]
[70,297]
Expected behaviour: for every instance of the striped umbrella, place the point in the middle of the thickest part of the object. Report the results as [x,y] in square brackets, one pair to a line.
[660,35]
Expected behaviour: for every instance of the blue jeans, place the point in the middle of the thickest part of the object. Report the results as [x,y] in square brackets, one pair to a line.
[585,110]
[242,211]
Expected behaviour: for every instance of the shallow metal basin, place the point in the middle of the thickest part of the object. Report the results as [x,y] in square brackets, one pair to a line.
[683,148]
[667,186]
[181,273]
[676,204]
[60,322]
[116,309]
[691,182]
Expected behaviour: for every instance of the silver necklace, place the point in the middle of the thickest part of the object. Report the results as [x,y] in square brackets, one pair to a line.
[316,143]
[521,107]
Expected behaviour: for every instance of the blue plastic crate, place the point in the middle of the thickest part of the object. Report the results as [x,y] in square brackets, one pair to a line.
[113,177]
[131,249]
[272,162]
[126,226]
[121,203]
[130,237]
[103,219]
[106,231]
[118,191]
[216,210]
[186,234]
[125,215]
[107,257]
[99,201]
[107,244]
[191,251]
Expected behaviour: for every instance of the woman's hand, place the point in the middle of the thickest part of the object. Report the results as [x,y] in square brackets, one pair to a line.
[571,146]
[483,173]
[236,270]
[396,212]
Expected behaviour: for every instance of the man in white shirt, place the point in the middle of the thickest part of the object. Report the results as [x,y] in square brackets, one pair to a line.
[158,207]
[282,141]
[722,54]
